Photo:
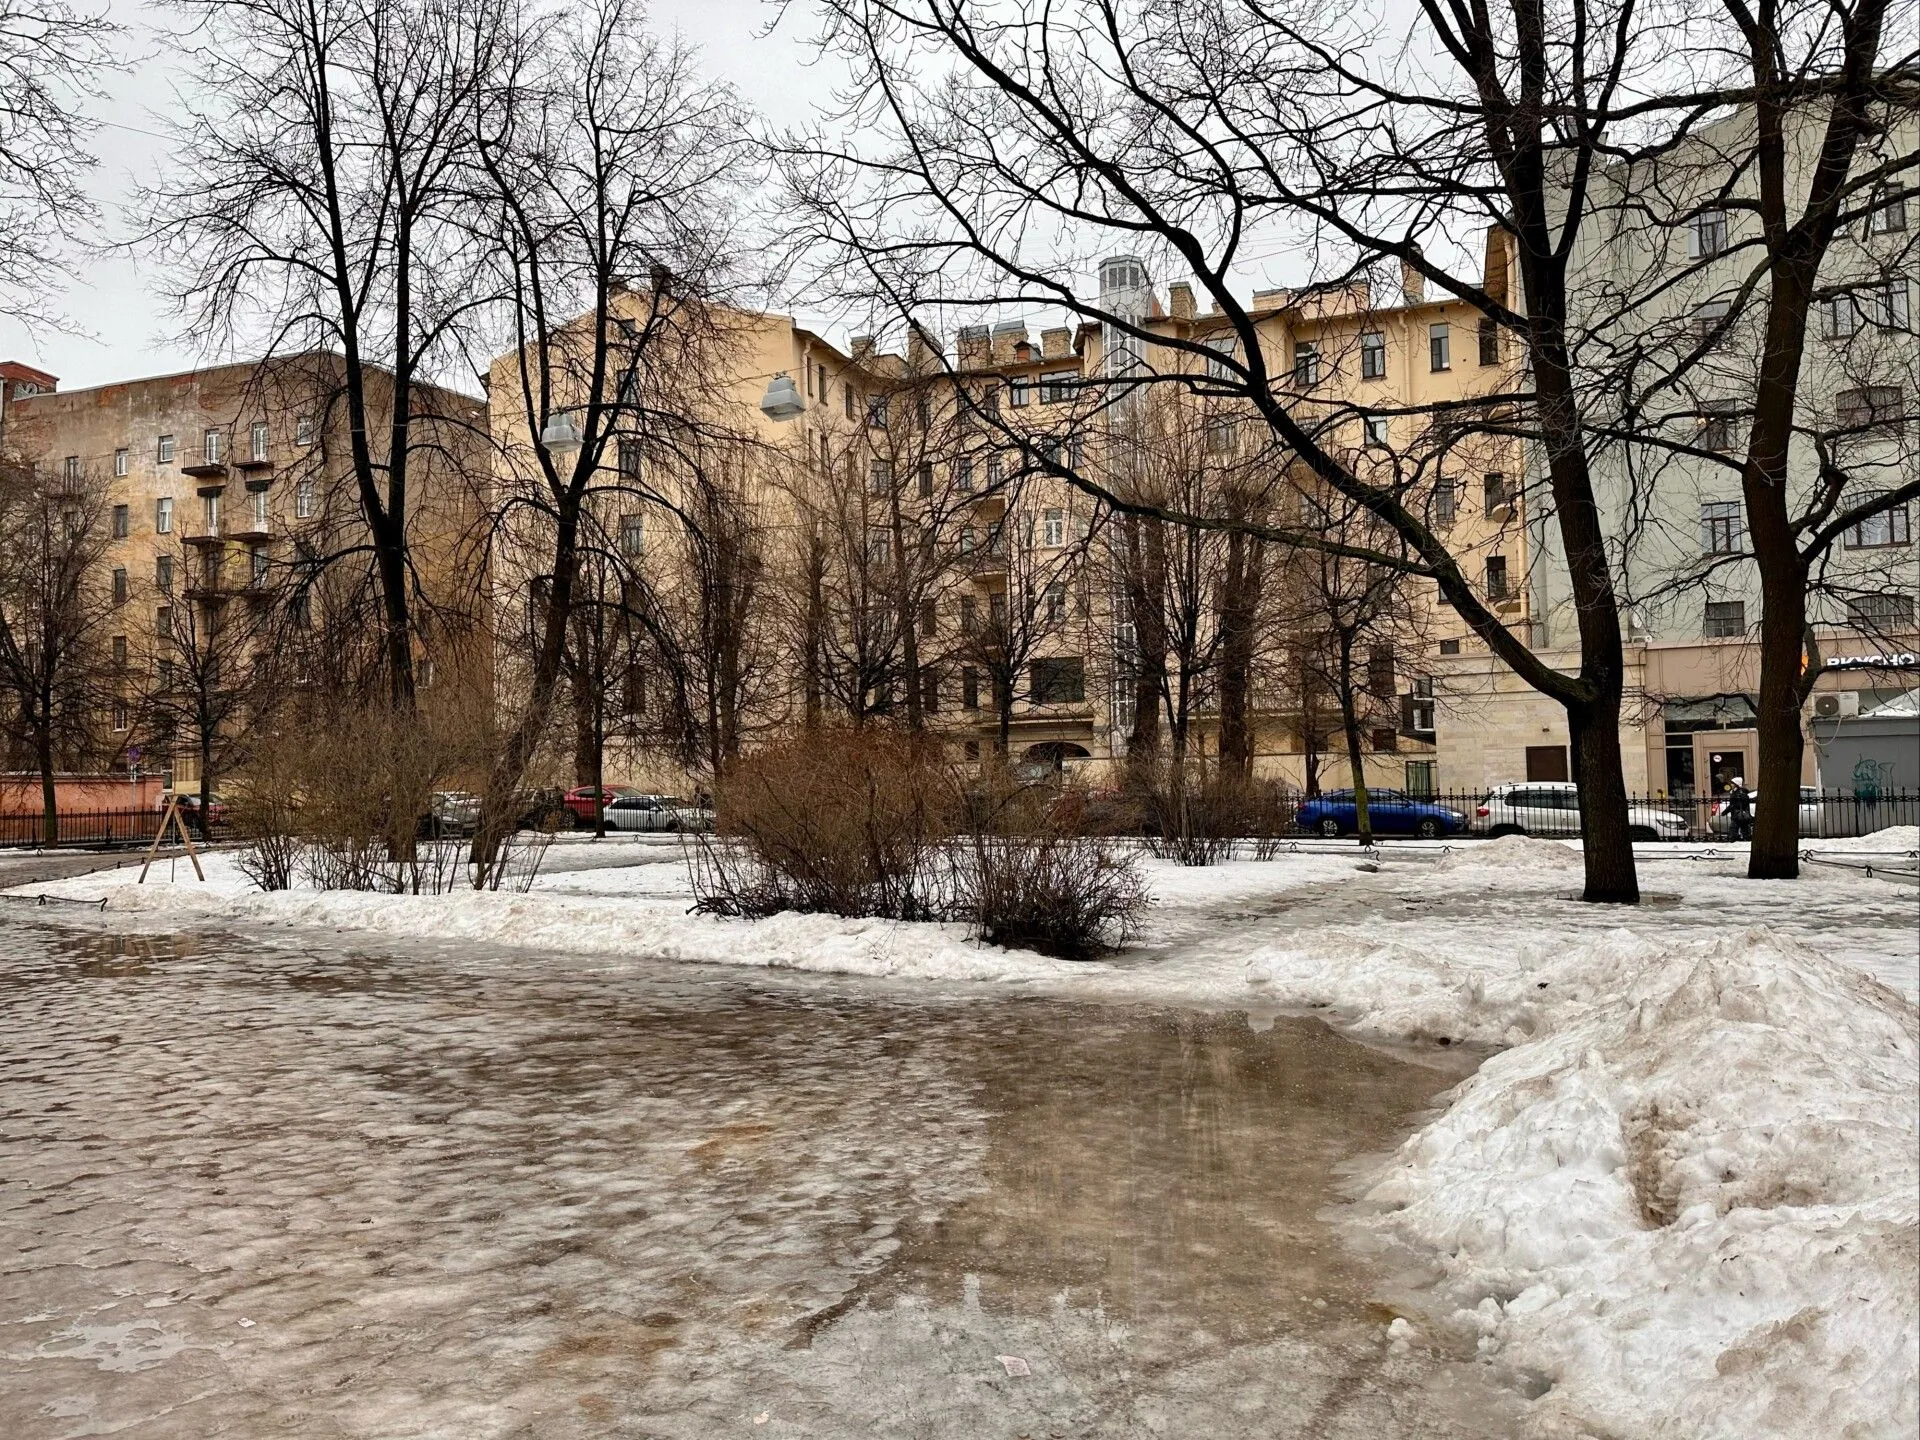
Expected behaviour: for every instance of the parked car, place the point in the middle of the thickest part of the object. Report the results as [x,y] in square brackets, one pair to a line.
[642,812]
[579,800]
[1552,808]
[1811,817]
[1389,812]
[190,806]
[693,817]
[453,812]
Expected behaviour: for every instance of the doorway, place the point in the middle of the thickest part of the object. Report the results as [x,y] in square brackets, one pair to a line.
[1723,766]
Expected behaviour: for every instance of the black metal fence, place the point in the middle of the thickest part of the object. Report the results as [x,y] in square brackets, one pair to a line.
[1552,811]
[93,829]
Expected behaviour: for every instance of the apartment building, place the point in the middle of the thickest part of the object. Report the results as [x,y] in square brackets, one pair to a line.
[233,527]
[1658,275]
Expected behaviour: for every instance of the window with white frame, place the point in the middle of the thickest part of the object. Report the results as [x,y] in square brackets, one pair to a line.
[1440,347]
[963,475]
[258,501]
[1872,407]
[1724,619]
[303,430]
[1889,217]
[1709,323]
[1881,613]
[1056,602]
[210,446]
[1053,528]
[303,500]
[633,532]
[1889,527]
[1306,362]
[257,438]
[163,515]
[1716,424]
[163,450]
[1057,386]
[210,512]
[1376,430]
[1219,362]
[1708,234]
[121,461]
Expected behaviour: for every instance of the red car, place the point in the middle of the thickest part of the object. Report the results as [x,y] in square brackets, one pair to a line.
[579,800]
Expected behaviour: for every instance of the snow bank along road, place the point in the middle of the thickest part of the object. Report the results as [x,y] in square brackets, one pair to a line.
[1683,1196]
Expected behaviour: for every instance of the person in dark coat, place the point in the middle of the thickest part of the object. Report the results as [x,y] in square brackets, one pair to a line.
[1739,809]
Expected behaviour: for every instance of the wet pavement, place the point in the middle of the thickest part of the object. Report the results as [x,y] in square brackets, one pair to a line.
[312,1188]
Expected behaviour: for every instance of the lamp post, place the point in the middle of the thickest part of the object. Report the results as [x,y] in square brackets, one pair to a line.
[782,401]
[560,437]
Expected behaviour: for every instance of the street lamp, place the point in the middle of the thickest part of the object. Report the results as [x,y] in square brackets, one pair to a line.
[560,437]
[782,401]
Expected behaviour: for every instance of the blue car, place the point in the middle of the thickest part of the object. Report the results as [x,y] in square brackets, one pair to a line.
[1389,812]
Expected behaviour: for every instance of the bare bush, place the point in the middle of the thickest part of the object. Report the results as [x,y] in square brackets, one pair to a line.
[841,822]
[1066,895]
[1193,813]
[264,807]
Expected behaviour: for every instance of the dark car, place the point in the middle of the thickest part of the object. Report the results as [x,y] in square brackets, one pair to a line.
[1389,812]
[190,807]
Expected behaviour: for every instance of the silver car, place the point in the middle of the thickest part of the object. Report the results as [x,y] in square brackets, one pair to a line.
[642,812]
[1721,823]
[1552,808]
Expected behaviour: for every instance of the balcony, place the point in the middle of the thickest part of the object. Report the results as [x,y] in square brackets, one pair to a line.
[205,470]
[253,465]
[204,539]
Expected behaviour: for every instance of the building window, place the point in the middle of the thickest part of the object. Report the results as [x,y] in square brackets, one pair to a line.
[1220,358]
[163,450]
[1373,356]
[1306,362]
[963,475]
[1449,647]
[1019,391]
[969,688]
[1053,528]
[969,615]
[258,436]
[879,477]
[852,402]
[1489,342]
[163,515]
[1380,671]
[1440,347]
[303,430]
[257,566]
[1889,527]
[633,532]
[163,574]
[627,458]
[1420,777]
[1375,428]
[1493,490]
[926,481]
[1726,619]
[1056,386]
[1383,741]
[210,446]
[1446,501]
[257,503]
[122,522]
[1721,527]
[303,500]
[1709,233]
[1892,611]
[1709,323]
[121,460]
[879,548]
[120,716]
[994,473]
[969,537]
[1875,407]
[877,413]
[997,610]
[1716,425]
[163,622]
[1886,307]
[1497,577]
[929,619]
[1057,682]
[1055,603]
[1888,217]
[120,650]
[929,690]
[210,508]
[72,468]
[119,585]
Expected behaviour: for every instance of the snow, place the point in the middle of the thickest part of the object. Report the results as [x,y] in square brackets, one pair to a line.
[1898,708]
[1681,1196]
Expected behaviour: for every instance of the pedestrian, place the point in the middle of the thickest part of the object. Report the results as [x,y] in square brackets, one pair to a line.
[1739,809]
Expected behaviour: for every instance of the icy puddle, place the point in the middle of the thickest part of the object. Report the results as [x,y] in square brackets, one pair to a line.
[304,1190]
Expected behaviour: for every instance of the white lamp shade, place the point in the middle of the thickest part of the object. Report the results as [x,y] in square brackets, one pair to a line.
[782,400]
[560,435]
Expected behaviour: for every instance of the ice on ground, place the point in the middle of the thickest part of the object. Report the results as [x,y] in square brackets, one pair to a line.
[1693,1203]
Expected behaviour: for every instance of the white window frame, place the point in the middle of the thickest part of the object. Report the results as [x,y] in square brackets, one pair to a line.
[1373,355]
[1053,528]
[258,436]
[163,515]
[122,461]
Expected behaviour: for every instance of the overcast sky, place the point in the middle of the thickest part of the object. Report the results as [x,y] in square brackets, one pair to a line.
[122,329]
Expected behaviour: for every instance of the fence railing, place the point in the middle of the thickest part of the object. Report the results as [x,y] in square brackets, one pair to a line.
[1823,815]
[92,828]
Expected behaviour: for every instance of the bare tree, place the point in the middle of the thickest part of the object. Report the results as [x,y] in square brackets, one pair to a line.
[603,191]
[318,202]
[56,603]
[50,53]
[1199,135]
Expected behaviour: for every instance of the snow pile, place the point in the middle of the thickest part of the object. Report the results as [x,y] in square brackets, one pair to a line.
[1894,840]
[1692,1205]
[1898,708]
[1512,852]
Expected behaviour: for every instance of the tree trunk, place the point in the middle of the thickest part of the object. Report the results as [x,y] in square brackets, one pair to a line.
[1775,852]
[1602,783]
[1350,726]
[204,820]
[1239,597]
[49,796]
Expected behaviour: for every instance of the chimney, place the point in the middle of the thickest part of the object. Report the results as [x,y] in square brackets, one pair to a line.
[1180,299]
[975,345]
[1413,285]
[923,345]
[861,346]
[1269,299]
[1056,344]
[1008,335]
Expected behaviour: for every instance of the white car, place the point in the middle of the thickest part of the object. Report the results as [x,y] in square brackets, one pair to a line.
[642,812]
[1552,807]
[1721,823]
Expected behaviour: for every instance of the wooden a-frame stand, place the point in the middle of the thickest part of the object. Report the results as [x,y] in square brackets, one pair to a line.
[171,817]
